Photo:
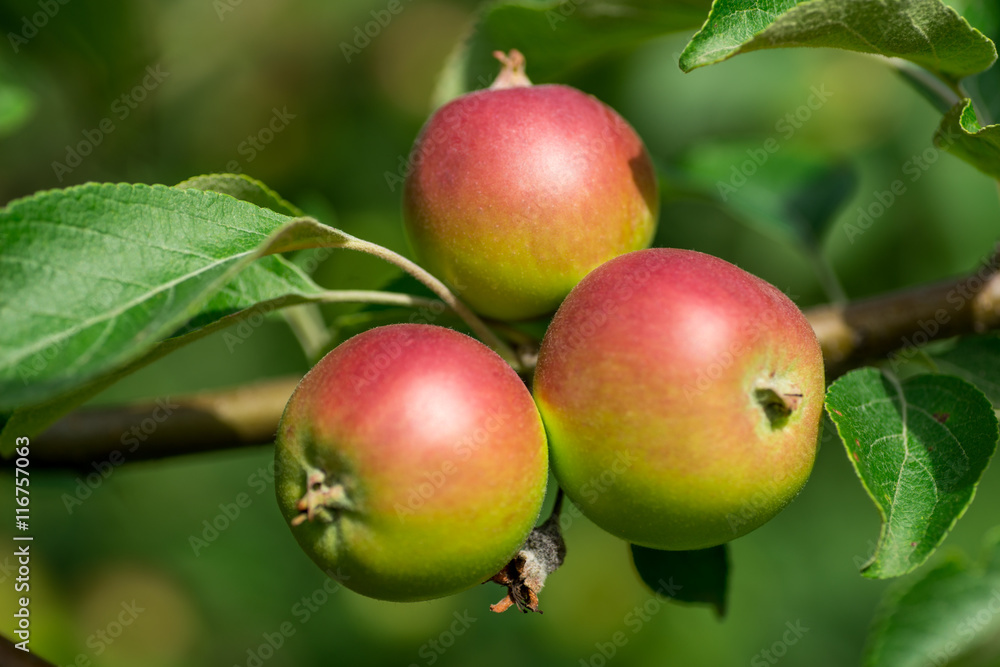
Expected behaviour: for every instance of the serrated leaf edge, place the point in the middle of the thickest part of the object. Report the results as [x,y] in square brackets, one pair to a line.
[883,528]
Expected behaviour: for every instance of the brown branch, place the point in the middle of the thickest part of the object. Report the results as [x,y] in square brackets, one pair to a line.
[171,426]
[862,331]
[10,656]
[850,335]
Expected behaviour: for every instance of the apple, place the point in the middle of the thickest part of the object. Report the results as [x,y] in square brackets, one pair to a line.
[411,462]
[518,191]
[682,398]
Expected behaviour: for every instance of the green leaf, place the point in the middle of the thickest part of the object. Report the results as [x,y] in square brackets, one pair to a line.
[926,32]
[558,36]
[961,134]
[985,86]
[266,279]
[696,577]
[306,321]
[950,610]
[95,275]
[919,447]
[371,315]
[792,196]
[243,187]
[32,420]
[975,359]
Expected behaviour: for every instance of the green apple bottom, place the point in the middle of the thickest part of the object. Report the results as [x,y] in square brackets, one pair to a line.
[411,461]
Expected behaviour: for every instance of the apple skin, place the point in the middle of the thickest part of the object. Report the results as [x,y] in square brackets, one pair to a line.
[515,194]
[648,381]
[439,448]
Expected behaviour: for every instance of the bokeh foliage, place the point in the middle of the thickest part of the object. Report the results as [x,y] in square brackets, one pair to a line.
[232,68]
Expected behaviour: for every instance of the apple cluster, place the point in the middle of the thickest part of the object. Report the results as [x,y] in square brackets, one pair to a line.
[676,398]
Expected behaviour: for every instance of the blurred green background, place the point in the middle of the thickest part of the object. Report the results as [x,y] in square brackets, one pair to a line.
[227,67]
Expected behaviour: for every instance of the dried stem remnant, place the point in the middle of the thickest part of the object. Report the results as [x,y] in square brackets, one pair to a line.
[541,555]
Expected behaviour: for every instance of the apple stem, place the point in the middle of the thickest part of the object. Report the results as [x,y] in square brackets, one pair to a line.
[478,327]
[542,553]
[512,75]
[556,507]
[307,324]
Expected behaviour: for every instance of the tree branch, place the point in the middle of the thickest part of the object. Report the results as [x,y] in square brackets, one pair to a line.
[15,657]
[850,335]
[854,333]
[171,426]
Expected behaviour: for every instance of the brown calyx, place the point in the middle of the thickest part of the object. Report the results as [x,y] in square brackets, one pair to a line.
[321,499]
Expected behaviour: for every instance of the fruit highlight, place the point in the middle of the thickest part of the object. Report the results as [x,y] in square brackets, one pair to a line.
[689,388]
[411,463]
[518,191]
